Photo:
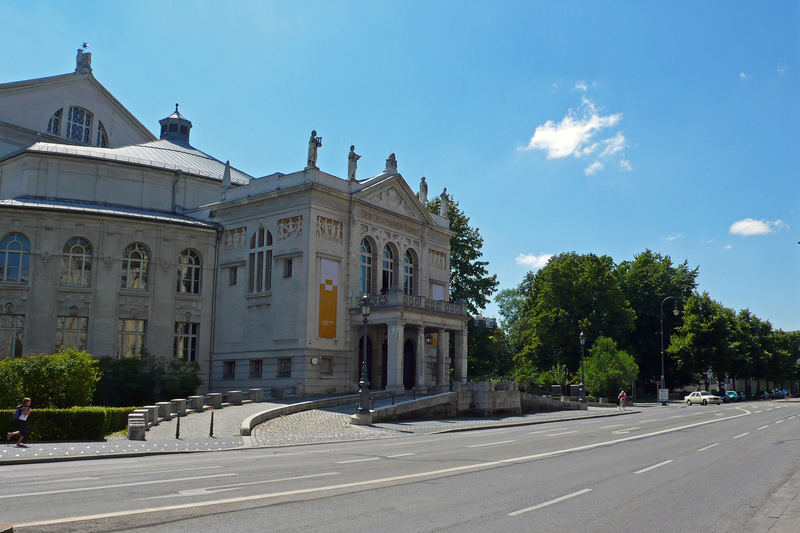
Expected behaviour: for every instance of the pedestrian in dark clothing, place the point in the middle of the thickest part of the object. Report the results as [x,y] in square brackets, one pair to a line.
[21,416]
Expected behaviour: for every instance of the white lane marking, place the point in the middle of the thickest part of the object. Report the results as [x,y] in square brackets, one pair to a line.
[778,421]
[550,502]
[104,476]
[85,469]
[399,455]
[119,485]
[407,443]
[489,444]
[709,446]
[221,488]
[624,431]
[742,435]
[662,463]
[561,433]
[756,412]
[379,481]
[357,460]
[793,416]
[540,431]
[675,416]
[648,420]
[718,414]
[611,426]
[763,427]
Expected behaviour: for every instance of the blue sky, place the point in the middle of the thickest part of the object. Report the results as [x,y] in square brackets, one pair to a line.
[606,127]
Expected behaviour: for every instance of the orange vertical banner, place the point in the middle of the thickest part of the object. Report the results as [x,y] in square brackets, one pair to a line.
[328,292]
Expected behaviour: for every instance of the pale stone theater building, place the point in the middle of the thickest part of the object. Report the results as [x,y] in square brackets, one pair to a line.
[125,244]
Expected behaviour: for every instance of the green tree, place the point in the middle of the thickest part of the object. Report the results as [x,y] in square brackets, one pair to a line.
[609,369]
[469,276]
[572,293]
[488,352]
[511,307]
[646,281]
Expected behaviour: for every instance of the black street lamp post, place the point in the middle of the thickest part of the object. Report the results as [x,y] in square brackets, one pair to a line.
[662,383]
[582,339]
[363,384]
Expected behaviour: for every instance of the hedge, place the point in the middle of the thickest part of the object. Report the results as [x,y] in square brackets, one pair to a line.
[77,423]
[145,380]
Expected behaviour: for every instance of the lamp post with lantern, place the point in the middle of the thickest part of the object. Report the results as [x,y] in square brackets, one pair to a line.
[675,312]
[363,384]
[582,339]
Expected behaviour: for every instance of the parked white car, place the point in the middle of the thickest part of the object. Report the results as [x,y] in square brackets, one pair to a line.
[702,398]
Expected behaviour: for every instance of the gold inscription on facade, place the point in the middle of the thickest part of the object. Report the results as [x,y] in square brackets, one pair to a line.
[383,220]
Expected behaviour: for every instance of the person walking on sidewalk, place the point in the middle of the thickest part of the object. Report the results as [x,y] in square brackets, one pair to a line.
[622,397]
[21,416]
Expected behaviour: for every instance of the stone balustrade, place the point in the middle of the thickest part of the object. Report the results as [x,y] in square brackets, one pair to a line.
[396,298]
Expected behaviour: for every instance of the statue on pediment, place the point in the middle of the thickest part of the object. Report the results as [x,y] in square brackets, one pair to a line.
[423,192]
[313,143]
[391,164]
[444,202]
[352,163]
[83,62]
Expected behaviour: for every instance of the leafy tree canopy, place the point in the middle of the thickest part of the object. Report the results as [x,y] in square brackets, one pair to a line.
[609,369]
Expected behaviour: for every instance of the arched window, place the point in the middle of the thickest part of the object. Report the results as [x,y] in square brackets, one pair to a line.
[408,274]
[102,137]
[76,263]
[189,269]
[260,261]
[79,124]
[15,258]
[387,269]
[135,266]
[54,125]
[366,267]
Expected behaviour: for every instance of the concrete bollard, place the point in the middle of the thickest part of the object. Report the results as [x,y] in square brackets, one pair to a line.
[235,397]
[214,399]
[154,418]
[146,414]
[255,395]
[179,406]
[196,403]
[164,410]
[136,426]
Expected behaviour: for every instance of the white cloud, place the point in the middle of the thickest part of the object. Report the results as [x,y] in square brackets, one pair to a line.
[750,226]
[624,164]
[573,135]
[728,246]
[533,261]
[580,86]
[744,76]
[781,69]
[554,85]
[613,145]
[670,238]
[593,169]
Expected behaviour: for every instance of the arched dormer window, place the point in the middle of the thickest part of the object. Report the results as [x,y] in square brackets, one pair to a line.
[189,270]
[365,267]
[54,125]
[15,258]
[135,266]
[76,263]
[387,269]
[408,273]
[260,261]
[79,124]
[102,136]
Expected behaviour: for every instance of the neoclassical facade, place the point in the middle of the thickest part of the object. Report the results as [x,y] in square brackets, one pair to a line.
[127,244]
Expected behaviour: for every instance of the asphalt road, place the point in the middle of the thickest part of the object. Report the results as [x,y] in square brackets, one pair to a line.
[671,468]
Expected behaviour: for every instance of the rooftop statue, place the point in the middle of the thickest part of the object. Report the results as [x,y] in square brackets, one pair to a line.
[313,143]
[423,192]
[352,163]
[444,203]
[391,164]
[83,62]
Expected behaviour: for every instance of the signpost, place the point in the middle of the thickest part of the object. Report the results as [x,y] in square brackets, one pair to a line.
[663,396]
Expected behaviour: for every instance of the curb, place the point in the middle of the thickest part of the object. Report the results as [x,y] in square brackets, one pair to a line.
[6,527]
[530,423]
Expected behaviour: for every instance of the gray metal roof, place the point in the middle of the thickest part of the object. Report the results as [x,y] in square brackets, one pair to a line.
[162,154]
[101,209]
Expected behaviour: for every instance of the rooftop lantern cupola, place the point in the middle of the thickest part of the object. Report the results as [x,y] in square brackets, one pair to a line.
[176,128]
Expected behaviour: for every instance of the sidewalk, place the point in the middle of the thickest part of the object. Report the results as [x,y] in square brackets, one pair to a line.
[781,513]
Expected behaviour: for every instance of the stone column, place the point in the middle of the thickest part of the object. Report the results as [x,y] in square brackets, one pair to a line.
[419,379]
[460,362]
[442,361]
[394,359]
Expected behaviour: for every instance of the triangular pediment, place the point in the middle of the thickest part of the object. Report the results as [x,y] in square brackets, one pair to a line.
[393,194]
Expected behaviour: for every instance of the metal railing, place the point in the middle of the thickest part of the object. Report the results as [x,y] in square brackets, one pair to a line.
[398,299]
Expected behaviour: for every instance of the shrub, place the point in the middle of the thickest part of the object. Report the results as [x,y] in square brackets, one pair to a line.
[77,423]
[145,381]
[60,380]
[609,369]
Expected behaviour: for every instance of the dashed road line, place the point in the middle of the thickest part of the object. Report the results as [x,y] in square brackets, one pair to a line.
[550,502]
[490,444]
[358,460]
[756,412]
[611,426]
[763,427]
[648,420]
[778,421]
[662,463]
[561,433]
[742,435]
[707,447]
[399,455]
[624,431]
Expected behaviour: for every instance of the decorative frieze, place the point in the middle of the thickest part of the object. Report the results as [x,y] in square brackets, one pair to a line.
[290,227]
[329,229]
[437,259]
[235,238]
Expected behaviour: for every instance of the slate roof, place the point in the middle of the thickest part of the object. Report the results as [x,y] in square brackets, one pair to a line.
[161,154]
[102,209]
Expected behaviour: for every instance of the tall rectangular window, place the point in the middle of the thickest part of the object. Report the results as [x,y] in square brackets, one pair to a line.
[11,334]
[71,331]
[131,338]
[228,369]
[284,367]
[185,346]
[255,368]
[287,268]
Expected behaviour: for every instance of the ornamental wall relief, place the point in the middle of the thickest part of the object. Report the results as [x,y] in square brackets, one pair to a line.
[235,238]
[290,227]
[437,259]
[329,229]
